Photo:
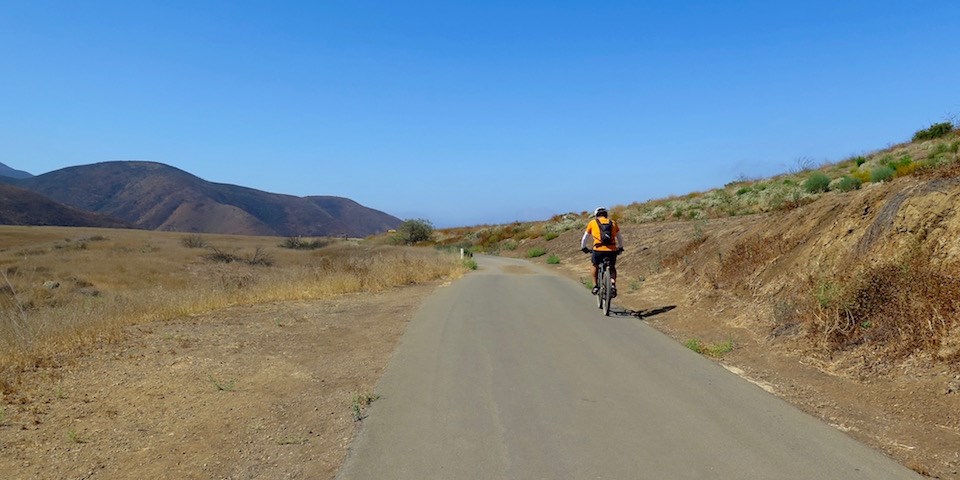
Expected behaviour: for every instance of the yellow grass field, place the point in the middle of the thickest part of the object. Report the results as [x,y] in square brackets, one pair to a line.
[66,289]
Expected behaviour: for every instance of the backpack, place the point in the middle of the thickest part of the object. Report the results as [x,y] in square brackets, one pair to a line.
[606,233]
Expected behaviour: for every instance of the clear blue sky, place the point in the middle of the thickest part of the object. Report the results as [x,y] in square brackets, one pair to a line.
[471,112]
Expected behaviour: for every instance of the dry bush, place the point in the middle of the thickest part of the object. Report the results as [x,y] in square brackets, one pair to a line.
[300,243]
[259,257]
[118,282]
[219,256]
[193,241]
[899,307]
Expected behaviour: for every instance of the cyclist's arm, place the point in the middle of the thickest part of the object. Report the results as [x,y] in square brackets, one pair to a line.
[619,239]
[583,241]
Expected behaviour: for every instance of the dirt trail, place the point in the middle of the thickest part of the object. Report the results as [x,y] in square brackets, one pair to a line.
[248,392]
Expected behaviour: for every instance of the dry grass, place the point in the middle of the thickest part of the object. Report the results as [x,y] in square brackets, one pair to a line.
[896,308]
[681,256]
[748,256]
[127,277]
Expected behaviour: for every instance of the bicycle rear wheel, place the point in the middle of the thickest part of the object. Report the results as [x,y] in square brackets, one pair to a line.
[600,291]
[607,291]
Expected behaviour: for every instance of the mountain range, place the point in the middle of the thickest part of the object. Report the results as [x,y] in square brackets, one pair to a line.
[23,207]
[6,171]
[155,196]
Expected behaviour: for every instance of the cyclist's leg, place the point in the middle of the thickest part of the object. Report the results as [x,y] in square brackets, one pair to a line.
[613,272]
[613,266]
[595,260]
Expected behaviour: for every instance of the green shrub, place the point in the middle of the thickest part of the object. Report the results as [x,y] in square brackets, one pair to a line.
[744,190]
[942,151]
[881,174]
[936,130]
[536,252]
[860,160]
[694,344]
[553,259]
[848,183]
[816,183]
[719,349]
[901,162]
[414,231]
[510,245]
[551,235]
[470,263]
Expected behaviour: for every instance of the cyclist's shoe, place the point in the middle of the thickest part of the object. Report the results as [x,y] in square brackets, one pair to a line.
[595,290]
[613,291]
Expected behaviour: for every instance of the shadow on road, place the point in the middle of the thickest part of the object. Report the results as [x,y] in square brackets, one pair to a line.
[646,313]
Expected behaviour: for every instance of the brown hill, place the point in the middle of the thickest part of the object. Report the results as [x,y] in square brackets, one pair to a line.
[6,171]
[23,207]
[159,197]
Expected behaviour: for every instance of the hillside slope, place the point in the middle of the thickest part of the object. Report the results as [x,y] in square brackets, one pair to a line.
[156,196]
[6,171]
[23,207]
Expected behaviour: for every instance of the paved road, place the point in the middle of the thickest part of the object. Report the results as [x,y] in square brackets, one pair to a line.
[513,373]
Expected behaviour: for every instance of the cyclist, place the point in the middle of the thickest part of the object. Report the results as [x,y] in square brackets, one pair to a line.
[603,235]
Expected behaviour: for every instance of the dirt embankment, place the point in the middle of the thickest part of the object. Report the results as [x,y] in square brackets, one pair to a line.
[849,306]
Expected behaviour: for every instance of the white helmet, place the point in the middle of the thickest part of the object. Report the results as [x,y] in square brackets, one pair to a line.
[599,210]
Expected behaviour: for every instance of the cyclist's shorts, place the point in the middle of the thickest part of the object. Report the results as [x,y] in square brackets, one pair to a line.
[597,258]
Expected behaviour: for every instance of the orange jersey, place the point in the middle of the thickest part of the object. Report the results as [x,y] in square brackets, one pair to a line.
[594,231]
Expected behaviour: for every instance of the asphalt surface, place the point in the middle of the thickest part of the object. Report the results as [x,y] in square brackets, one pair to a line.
[513,373]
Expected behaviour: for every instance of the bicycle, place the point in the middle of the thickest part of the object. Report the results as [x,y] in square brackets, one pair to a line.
[605,282]
[606,287]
